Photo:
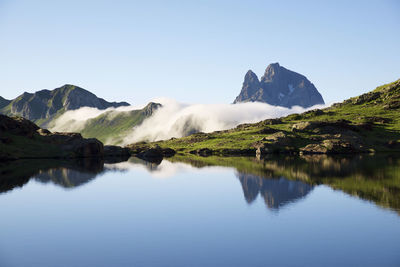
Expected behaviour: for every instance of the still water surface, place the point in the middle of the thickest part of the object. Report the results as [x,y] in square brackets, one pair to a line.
[277,212]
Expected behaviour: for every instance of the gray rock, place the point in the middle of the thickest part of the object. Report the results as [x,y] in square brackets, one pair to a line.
[155,154]
[280,87]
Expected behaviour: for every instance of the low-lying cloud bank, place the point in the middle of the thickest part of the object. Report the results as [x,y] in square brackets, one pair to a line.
[75,120]
[175,119]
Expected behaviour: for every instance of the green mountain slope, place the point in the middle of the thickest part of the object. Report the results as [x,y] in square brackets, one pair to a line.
[43,106]
[366,123]
[4,102]
[110,127]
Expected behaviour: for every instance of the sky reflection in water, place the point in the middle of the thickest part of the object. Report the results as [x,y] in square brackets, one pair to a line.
[136,213]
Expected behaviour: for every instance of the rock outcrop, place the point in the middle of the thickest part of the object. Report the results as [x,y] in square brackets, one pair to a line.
[280,87]
[151,153]
[21,138]
[116,151]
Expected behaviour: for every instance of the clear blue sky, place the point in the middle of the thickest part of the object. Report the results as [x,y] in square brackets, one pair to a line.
[195,51]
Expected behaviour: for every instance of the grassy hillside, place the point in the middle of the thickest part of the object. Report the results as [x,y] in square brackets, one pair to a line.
[4,102]
[366,123]
[111,127]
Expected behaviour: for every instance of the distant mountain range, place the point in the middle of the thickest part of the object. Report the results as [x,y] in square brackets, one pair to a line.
[44,105]
[279,87]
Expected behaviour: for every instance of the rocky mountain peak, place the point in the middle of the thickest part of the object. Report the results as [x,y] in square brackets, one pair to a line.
[250,75]
[250,85]
[271,71]
[280,87]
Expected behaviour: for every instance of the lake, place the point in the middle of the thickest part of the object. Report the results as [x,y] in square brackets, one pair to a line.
[193,211]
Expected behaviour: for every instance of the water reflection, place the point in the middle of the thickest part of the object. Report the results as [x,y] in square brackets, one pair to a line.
[279,180]
[371,177]
[277,192]
[64,173]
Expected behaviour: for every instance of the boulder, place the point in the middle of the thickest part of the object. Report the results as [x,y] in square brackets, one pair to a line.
[279,138]
[314,149]
[272,121]
[75,145]
[168,152]
[279,142]
[366,98]
[267,130]
[116,151]
[376,119]
[155,154]
[395,104]
[88,148]
[338,126]
[333,146]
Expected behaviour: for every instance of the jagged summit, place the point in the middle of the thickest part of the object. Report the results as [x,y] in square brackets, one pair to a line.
[280,87]
[272,70]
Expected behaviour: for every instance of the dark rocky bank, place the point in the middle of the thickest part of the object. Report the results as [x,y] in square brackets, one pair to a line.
[22,139]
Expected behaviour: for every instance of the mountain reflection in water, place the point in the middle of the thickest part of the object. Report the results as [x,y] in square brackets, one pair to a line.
[276,192]
[278,180]
[64,173]
[370,177]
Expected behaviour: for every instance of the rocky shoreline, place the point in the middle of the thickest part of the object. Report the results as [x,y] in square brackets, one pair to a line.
[22,139]
[18,136]
[365,124]
[368,123]
[337,137]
